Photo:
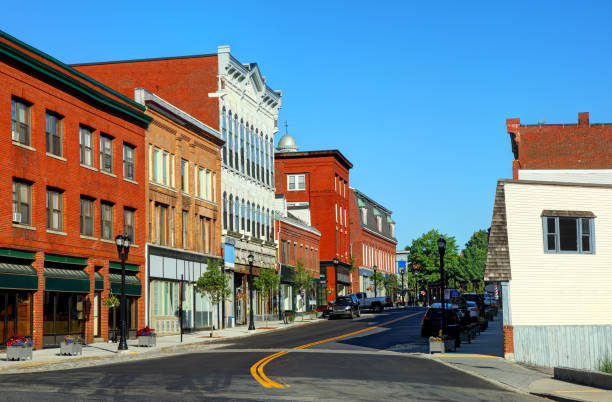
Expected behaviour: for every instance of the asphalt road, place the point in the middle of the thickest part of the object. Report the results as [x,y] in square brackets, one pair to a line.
[363,366]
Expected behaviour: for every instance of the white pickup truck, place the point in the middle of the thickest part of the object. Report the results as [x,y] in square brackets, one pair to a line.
[376,304]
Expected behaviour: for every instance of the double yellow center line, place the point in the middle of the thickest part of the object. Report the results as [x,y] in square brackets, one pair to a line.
[257,368]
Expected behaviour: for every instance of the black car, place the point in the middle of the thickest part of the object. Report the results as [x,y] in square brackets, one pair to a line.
[432,321]
[345,306]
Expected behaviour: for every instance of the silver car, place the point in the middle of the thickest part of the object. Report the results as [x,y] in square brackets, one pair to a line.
[345,306]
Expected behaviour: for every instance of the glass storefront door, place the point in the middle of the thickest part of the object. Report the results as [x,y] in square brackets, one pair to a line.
[63,314]
[131,318]
[15,315]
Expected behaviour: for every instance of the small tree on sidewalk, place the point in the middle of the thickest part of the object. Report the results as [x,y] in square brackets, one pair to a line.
[379,282]
[214,284]
[303,280]
[266,283]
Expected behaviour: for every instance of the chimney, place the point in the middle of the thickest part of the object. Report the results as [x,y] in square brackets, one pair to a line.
[583,119]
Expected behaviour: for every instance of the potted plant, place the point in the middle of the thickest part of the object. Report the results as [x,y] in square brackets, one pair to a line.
[18,347]
[72,345]
[441,344]
[146,337]
[111,301]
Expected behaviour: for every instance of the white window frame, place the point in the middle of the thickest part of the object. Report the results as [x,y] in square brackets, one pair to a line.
[296,180]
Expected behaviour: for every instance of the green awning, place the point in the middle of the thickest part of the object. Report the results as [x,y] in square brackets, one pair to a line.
[360,203]
[18,276]
[99,285]
[27,255]
[128,267]
[389,219]
[67,280]
[376,212]
[64,259]
[132,285]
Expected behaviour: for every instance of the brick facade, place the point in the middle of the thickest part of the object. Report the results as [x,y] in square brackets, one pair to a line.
[78,101]
[560,146]
[508,341]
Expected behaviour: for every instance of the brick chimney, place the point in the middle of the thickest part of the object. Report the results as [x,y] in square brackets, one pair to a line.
[583,119]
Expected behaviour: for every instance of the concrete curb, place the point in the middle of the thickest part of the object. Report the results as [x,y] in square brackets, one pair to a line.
[554,397]
[143,353]
[596,379]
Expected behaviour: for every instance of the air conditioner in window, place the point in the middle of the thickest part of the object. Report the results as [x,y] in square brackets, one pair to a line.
[17,217]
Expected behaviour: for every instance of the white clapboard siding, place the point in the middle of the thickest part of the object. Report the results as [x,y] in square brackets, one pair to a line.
[558,289]
[597,176]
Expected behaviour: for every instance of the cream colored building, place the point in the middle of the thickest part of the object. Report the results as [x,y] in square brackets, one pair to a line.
[550,247]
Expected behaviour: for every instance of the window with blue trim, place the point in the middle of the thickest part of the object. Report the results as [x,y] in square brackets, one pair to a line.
[567,234]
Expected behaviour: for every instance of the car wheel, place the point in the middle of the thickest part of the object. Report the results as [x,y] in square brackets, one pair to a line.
[331,317]
[352,314]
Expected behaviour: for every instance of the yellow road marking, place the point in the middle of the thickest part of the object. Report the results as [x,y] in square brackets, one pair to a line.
[454,355]
[257,368]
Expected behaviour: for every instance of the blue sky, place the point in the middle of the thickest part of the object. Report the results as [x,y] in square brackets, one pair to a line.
[415,94]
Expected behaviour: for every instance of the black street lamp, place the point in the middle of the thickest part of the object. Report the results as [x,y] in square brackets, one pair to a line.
[251,320]
[336,262]
[123,248]
[375,285]
[402,271]
[442,250]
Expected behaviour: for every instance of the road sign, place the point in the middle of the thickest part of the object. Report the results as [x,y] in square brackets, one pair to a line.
[454,293]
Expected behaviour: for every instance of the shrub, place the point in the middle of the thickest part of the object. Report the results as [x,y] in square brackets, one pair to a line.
[605,364]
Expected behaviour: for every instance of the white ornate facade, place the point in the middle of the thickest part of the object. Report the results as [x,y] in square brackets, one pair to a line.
[248,111]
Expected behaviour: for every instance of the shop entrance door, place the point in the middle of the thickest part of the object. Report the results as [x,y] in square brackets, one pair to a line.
[239,299]
[15,315]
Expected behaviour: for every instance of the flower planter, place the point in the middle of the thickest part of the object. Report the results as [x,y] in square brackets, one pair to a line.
[19,352]
[71,348]
[466,336]
[147,341]
[441,346]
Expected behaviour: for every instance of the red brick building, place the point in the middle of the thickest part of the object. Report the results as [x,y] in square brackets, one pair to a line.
[372,232]
[582,145]
[74,157]
[298,243]
[316,186]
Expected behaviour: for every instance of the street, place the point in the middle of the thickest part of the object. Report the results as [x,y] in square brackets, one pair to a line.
[327,366]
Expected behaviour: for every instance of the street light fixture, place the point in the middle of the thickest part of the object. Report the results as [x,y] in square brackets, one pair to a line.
[123,248]
[442,250]
[402,271]
[251,320]
[375,267]
[335,261]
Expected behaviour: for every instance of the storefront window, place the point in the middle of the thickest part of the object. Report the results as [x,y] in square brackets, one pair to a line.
[63,314]
[15,314]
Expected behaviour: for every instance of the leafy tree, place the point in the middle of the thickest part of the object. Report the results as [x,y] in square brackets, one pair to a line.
[391,283]
[214,284]
[379,282]
[303,280]
[266,283]
[474,256]
[425,258]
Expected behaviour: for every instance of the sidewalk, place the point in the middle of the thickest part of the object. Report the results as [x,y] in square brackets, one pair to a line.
[106,353]
[484,357]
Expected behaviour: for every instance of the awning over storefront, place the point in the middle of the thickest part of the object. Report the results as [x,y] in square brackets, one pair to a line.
[128,267]
[99,285]
[365,272]
[66,280]
[18,276]
[133,286]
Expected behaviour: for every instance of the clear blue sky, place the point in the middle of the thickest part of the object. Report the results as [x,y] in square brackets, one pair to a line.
[415,94]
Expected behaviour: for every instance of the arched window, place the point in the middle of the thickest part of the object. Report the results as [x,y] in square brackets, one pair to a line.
[261,158]
[258,222]
[236,142]
[230,139]
[271,145]
[231,212]
[267,161]
[268,225]
[224,210]
[252,153]
[253,220]
[242,146]
[248,217]
[242,215]
[224,134]
[237,214]
[256,176]
[248,149]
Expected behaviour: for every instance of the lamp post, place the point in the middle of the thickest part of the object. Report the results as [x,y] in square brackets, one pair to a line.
[402,271]
[336,262]
[442,250]
[375,286]
[123,248]
[251,320]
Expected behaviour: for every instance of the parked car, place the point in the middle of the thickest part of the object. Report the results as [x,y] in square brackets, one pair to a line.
[473,310]
[477,298]
[376,304]
[432,321]
[345,306]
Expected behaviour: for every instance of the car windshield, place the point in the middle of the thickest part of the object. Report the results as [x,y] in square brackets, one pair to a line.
[343,302]
[471,304]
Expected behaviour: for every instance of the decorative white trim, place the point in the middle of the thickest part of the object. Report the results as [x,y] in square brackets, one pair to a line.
[19,144]
[131,181]
[28,227]
[108,174]
[61,158]
[57,232]
[88,237]
[89,167]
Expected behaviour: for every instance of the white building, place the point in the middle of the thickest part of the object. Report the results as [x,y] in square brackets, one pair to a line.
[248,111]
[550,246]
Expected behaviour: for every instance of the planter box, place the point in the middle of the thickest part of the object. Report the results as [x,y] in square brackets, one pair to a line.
[18,352]
[147,341]
[441,347]
[72,348]
[466,336]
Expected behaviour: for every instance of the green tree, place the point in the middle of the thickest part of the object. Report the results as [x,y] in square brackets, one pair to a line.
[378,280]
[474,256]
[214,284]
[266,283]
[391,284]
[303,280]
[425,258]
